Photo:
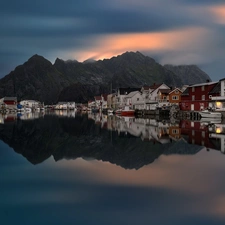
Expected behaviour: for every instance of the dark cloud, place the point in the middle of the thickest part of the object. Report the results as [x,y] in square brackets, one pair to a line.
[48,27]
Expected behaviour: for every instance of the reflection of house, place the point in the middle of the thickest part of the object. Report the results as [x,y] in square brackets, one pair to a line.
[175,132]
[8,118]
[196,133]
[197,97]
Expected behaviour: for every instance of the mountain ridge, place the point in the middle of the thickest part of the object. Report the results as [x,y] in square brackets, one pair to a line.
[48,82]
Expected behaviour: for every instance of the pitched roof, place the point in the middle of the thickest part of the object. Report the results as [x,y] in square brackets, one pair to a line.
[174,89]
[154,86]
[131,94]
[125,91]
[216,89]
[203,84]
[165,91]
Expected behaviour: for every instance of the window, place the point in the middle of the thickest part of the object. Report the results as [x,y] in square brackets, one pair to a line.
[175,131]
[193,89]
[203,97]
[193,97]
[203,88]
[175,97]
[137,99]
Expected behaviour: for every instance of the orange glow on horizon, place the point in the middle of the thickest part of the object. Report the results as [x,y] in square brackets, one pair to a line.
[112,45]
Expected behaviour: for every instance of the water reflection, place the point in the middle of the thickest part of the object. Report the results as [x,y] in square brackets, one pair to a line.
[169,176]
[126,141]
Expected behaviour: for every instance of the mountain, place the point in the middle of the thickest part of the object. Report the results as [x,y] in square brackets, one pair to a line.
[35,79]
[190,74]
[71,80]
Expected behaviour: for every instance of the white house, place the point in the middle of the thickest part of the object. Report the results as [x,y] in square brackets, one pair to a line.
[135,100]
[150,95]
[121,94]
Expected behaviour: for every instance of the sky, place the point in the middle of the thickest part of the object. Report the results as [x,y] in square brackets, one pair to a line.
[178,32]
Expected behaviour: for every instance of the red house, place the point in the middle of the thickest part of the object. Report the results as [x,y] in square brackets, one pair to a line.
[10,103]
[197,97]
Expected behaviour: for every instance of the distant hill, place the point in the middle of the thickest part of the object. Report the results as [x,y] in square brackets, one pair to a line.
[41,80]
[190,74]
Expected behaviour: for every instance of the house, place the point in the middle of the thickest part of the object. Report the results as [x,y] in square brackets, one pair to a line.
[98,102]
[217,96]
[9,103]
[91,104]
[163,96]
[104,104]
[197,97]
[33,104]
[121,94]
[175,96]
[111,101]
[135,100]
[150,95]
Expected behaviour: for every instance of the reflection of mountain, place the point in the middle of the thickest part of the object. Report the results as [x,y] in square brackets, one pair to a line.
[71,138]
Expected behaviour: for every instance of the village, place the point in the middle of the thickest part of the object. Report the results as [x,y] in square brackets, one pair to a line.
[187,101]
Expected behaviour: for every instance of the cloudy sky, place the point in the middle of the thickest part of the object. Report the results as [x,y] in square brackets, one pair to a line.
[170,31]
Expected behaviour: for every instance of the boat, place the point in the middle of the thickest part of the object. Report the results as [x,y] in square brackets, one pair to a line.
[210,114]
[127,111]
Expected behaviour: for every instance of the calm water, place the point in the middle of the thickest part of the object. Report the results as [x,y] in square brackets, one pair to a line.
[93,169]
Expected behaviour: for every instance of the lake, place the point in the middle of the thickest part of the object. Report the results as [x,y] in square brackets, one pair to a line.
[67,168]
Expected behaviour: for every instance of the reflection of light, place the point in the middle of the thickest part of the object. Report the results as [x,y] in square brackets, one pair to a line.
[218,130]
[218,104]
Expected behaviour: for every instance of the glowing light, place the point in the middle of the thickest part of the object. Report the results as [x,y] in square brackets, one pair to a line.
[218,104]
[218,130]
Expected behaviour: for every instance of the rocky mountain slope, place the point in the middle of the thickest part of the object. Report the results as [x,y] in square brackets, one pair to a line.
[70,80]
[189,74]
